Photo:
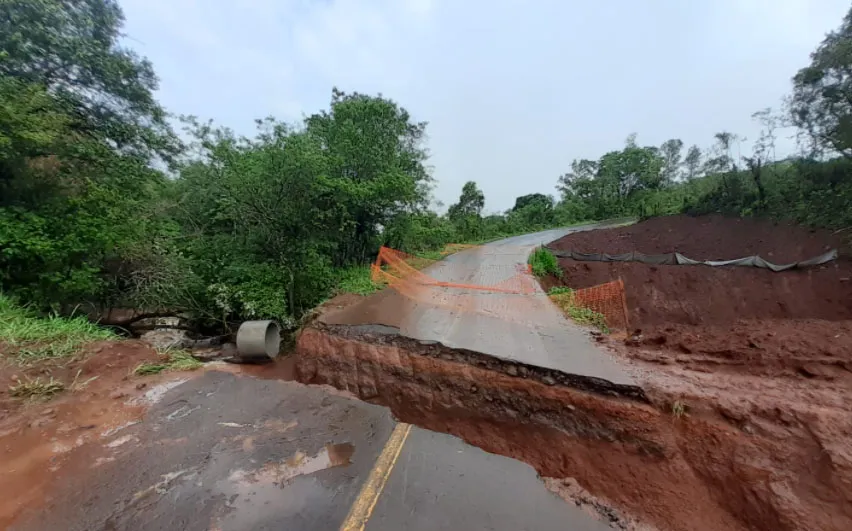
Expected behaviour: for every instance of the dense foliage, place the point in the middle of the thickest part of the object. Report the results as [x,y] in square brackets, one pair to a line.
[102,206]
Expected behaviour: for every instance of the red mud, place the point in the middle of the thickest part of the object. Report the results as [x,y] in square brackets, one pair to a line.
[769,353]
[37,438]
[700,471]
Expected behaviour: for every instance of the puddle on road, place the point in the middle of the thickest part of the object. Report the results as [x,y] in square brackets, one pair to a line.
[300,464]
[254,495]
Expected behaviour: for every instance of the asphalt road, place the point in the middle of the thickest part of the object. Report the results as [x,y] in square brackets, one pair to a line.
[225,451]
[526,328]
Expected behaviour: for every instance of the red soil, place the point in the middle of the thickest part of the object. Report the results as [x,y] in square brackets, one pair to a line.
[711,237]
[769,353]
[700,471]
[38,438]
[749,374]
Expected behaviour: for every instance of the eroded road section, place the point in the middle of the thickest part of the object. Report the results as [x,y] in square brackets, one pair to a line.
[224,451]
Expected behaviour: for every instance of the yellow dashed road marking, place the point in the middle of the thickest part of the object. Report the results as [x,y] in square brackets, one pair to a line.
[363,507]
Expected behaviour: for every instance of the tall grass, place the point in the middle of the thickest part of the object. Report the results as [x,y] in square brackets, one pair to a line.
[543,262]
[357,280]
[27,337]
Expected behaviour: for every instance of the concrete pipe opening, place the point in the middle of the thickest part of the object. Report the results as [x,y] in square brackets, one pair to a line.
[257,339]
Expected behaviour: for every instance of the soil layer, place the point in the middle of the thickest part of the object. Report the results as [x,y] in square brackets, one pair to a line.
[767,353]
[696,469]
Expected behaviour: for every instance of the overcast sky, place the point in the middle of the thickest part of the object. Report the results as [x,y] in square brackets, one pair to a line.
[513,90]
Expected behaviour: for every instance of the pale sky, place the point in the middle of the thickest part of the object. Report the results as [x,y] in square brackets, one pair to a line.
[513,90]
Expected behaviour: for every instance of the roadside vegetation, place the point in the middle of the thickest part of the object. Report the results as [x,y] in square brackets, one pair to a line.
[543,263]
[103,205]
[564,298]
[27,337]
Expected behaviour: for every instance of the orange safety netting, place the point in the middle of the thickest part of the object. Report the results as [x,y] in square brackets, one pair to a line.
[606,299]
[393,266]
[513,293]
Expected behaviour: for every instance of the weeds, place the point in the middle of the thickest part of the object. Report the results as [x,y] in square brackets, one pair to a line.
[30,338]
[357,280]
[559,290]
[77,385]
[170,360]
[564,298]
[36,388]
[543,262]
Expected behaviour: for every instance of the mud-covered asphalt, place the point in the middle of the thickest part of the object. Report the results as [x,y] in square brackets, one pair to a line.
[225,451]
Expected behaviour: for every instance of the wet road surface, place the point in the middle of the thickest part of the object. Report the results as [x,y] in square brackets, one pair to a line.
[526,328]
[441,483]
[225,451]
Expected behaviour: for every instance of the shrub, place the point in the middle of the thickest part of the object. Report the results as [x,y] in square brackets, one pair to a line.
[544,263]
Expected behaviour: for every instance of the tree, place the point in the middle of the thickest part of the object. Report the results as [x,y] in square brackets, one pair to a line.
[722,159]
[631,170]
[581,171]
[376,163]
[466,215]
[71,48]
[471,202]
[763,150]
[545,201]
[821,103]
[671,153]
[78,126]
[692,162]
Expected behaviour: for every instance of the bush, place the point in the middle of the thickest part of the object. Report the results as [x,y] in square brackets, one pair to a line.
[544,263]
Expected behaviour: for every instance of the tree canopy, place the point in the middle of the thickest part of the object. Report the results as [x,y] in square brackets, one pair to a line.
[270,224]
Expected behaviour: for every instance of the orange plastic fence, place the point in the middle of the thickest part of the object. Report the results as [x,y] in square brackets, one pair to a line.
[391,266]
[511,297]
[607,299]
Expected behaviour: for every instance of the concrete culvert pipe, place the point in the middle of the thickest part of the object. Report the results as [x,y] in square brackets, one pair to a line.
[259,339]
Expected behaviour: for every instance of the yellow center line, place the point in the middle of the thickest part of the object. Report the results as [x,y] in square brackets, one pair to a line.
[363,507]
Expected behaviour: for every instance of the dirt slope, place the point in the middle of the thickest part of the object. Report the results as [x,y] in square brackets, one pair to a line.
[713,237]
[767,354]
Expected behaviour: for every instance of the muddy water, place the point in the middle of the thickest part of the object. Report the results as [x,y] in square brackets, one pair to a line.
[300,464]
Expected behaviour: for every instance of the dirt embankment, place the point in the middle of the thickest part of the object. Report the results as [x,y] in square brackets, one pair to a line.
[767,353]
[796,323]
[695,471]
[712,237]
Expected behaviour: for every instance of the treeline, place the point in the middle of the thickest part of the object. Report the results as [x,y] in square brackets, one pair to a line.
[103,205]
[813,186]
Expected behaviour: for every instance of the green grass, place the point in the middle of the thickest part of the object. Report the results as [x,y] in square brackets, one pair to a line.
[544,263]
[170,360]
[564,298]
[559,290]
[357,280]
[27,337]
